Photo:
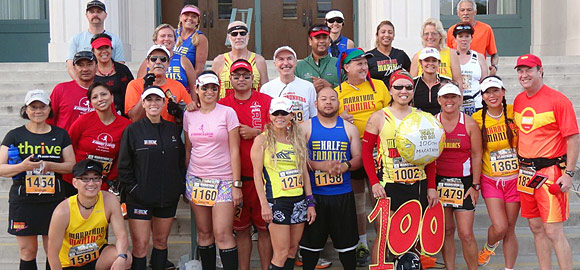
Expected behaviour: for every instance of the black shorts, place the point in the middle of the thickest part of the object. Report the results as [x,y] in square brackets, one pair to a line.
[27,219]
[467,183]
[335,216]
[288,210]
[401,193]
[89,266]
[358,174]
[137,211]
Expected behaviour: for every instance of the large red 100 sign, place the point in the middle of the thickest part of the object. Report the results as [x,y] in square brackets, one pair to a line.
[400,231]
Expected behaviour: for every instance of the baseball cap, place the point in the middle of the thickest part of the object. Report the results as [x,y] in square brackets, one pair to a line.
[241,63]
[284,48]
[190,9]
[353,54]
[280,104]
[207,78]
[528,60]
[84,55]
[491,81]
[334,14]
[318,29]
[100,42]
[87,165]
[400,74]
[158,47]
[96,3]
[429,52]
[152,91]
[449,88]
[36,95]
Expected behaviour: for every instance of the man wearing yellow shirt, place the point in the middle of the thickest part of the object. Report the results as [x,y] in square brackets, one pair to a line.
[359,97]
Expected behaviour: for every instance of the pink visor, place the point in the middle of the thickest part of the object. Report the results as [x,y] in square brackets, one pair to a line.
[190,9]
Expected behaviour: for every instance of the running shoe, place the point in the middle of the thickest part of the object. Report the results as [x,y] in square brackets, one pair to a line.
[321,264]
[363,255]
[485,254]
[168,265]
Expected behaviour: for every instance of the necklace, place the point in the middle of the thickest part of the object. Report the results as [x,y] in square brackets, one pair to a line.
[88,208]
[106,74]
[355,88]
[495,116]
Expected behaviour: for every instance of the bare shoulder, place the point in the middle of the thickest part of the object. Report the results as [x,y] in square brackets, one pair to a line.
[351,129]
[260,58]
[470,122]
[62,210]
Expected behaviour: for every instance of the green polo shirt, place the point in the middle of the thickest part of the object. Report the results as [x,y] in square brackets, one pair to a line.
[325,69]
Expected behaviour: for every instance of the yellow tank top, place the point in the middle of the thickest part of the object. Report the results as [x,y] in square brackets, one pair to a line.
[84,238]
[394,168]
[444,66]
[281,175]
[499,159]
[226,87]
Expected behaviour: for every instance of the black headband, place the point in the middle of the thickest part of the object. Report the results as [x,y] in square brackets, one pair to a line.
[238,27]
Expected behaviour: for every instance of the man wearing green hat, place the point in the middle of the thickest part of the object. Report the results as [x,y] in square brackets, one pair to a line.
[359,97]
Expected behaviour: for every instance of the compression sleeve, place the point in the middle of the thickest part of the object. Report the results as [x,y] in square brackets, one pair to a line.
[368,143]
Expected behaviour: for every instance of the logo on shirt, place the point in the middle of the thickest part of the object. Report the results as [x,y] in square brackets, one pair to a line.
[256,111]
[528,120]
[84,106]
[202,132]
[285,155]
[105,141]
[293,96]
[150,142]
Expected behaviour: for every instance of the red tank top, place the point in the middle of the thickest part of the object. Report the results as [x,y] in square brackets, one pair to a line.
[455,160]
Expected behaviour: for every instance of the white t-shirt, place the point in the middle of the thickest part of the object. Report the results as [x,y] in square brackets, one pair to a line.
[301,92]
[82,42]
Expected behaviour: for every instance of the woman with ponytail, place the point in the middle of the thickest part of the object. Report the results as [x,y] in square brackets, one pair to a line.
[279,157]
[191,42]
[499,171]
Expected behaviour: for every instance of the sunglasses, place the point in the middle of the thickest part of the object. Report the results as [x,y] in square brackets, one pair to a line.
[89,179]
[463,27]
[333,20]
[400,87]
[242,33]
[163,59]
[320,28]
[280,112]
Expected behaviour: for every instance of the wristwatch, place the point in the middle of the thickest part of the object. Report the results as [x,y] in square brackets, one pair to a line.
[237,183]
[570,173]
[477,187]
[495,66]
[124,256]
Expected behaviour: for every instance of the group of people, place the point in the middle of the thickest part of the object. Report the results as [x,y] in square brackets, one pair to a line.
[291,157]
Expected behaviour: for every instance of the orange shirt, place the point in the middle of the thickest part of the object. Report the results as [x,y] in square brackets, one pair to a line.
[483,39]
[544,121]
[135,88]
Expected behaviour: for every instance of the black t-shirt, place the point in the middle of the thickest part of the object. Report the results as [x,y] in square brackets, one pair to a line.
[424,98]
[382,66]
[118,83]
[47,147]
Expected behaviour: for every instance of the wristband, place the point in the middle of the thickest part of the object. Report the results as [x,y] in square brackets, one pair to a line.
[310,201]
[124,256]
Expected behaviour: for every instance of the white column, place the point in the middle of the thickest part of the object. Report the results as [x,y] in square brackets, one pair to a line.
[573,21]
[132,21]
[407,16]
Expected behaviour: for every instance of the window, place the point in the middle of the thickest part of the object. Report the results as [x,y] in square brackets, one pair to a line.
[289,9]
[323,7]
[23,10]
[224,9]
[484,7]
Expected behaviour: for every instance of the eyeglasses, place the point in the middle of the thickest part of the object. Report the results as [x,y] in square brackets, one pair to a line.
[244,76]
[280,112]
[333,20]
[37,108]
[89,179]
[400,87]
[163,59]
[242,33]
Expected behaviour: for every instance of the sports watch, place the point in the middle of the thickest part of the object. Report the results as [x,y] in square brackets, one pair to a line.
[237,183]
[570,173]
[477,187]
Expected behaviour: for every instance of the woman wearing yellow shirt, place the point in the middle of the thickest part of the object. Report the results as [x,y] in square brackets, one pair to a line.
[499,171]
[279,158]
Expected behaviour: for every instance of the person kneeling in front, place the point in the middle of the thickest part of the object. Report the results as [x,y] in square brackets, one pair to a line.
[79,225]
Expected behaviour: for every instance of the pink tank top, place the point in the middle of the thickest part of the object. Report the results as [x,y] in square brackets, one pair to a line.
[455,160]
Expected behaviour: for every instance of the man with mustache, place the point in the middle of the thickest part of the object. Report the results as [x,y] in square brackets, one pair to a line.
[157,62]
[288,85]
[96,13]
[238,36]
